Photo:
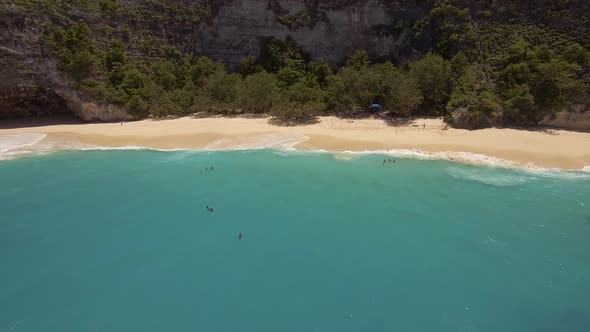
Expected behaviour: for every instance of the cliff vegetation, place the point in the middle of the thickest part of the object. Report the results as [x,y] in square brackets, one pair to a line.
[494,63]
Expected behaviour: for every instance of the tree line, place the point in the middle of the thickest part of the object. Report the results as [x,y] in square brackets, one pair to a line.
[522,84]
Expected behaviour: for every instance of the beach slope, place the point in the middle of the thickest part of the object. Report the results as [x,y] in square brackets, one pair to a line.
[541,148]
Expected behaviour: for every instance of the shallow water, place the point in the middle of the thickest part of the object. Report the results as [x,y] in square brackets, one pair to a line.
[122,241]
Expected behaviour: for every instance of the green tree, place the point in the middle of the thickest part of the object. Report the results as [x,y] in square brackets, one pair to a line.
[473,103]
[260,92]
[133,82]
[276,53]
[108,7]
[556,85]
[115,54]
[433,75]
[81,65]
[303,100]
[249,66]
[219,93]
[349,92]
[514,84]
[292,72]
[321,69]
[203,67]
[137,106]
[167,74]
[405,95]
[458,64]
[358,60]
[577,54]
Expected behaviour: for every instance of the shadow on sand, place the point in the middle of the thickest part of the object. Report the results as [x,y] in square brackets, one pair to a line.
[49,120]
[294,122]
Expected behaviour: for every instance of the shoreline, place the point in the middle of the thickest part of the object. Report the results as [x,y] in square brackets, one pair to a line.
[555,149]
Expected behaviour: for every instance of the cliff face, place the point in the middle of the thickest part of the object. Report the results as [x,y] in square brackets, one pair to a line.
[322,28]
[232,29]
[24,64]
[228,30]
[30,82]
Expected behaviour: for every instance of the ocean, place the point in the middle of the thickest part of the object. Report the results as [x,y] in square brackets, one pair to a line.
[123,241]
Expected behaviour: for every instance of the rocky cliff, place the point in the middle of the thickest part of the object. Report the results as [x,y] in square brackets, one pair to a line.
[31,83]
[228,30]
[323,28]
[232,29]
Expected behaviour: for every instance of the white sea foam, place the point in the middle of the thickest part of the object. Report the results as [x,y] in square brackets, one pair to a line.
[104,148]
[464,157]
[474,159]
[489,176]
[555,172]
[346,156]
[16,144]
[268,141]
[18,141]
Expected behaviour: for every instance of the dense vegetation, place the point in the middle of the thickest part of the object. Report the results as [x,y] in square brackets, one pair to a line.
[478,69]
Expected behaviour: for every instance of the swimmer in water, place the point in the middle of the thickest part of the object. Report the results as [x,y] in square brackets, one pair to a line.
[240,236]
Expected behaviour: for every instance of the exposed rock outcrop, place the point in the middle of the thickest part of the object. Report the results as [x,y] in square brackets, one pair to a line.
[31,84]
[330,29]
[576,120]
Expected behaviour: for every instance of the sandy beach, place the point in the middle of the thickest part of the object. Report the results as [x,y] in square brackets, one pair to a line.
[549,149]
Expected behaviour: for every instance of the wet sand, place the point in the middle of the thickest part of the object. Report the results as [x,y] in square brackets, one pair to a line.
[551,149]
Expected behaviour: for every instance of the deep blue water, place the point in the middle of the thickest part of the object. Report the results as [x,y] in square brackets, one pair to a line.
[122,241]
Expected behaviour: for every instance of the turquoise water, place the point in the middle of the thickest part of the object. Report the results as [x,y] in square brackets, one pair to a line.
[122,241]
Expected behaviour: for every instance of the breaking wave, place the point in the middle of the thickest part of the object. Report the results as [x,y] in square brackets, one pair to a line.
[489,176]
[13,145]
[268,141]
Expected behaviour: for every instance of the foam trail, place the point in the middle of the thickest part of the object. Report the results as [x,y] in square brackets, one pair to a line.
[488,176]
[19,141]
[465,157]
[11,145]
[269,141]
